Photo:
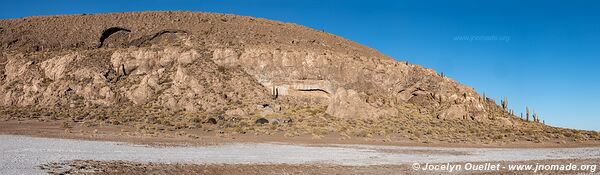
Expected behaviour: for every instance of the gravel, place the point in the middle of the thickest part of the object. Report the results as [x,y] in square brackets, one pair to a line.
[23,154]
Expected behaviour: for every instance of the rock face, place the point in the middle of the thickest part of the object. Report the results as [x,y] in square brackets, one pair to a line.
[171,77]
[214,62]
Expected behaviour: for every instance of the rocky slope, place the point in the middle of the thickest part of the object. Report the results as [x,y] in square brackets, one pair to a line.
[217,65]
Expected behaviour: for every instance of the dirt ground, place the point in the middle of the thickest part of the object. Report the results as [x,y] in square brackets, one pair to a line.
[198,137]
[120,167]
[53,129]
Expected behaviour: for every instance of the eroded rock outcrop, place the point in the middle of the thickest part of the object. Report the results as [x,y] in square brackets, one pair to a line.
[171,77]
[215,62]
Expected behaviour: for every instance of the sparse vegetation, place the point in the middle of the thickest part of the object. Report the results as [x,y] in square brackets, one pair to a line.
[311,121]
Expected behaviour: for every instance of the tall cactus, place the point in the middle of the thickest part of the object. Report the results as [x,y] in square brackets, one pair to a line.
[484,97]
[527,113]
[504,104]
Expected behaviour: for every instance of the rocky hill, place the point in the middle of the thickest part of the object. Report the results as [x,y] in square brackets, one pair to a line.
[176,68]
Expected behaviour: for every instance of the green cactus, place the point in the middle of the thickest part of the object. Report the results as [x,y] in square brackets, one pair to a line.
[504,103]
[527,113]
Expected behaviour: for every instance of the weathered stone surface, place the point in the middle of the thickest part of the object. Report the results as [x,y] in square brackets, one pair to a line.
[215,63]
[350,104]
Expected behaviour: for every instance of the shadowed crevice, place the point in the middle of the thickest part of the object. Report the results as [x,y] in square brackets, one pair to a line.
[109,32]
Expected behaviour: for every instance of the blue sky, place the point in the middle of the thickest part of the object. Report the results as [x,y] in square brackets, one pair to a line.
[542,54]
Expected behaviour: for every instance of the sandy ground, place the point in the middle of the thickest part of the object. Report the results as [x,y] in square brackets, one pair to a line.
[24,155]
